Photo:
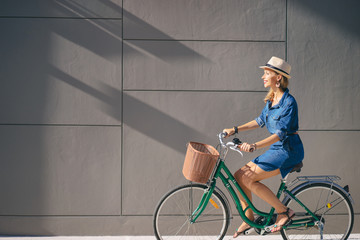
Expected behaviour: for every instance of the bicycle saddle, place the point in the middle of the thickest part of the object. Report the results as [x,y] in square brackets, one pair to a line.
[297,167]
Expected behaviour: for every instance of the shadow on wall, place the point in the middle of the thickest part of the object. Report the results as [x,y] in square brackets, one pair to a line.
[344,16]
[107,33]
[111,31]
[22,170]
[160,125]
[34,96]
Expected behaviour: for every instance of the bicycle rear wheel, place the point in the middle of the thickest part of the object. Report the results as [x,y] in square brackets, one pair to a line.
[328,203]
[172,215]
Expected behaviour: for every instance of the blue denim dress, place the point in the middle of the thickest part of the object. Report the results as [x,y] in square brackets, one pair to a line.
[282,120]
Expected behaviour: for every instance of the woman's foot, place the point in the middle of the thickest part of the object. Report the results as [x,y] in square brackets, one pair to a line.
[283,219]
[241,230]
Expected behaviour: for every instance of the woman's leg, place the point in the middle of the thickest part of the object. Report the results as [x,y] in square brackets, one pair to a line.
[250,176]
[247,191]
[249,213]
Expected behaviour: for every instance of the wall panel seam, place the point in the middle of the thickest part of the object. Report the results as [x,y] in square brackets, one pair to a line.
[80,18]
[195,91]
[329,130]
[85,216]
[203,40]
[61,216]
[122,110]
[60,125]
[286,30]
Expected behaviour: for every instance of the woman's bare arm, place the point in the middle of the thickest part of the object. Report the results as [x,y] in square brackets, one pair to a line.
[247,126]
[267,141]
[246,147]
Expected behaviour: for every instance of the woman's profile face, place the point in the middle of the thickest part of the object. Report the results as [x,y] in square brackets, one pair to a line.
[269,78]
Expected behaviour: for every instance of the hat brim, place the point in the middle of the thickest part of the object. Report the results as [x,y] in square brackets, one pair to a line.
[275,70]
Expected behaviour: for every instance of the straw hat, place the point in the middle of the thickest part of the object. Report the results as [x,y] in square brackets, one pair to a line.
[278,65]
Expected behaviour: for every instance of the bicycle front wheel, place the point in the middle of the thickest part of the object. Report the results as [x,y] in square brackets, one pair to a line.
[331,205]
[173,213]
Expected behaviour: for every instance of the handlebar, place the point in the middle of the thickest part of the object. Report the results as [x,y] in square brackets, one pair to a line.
[231,145]
[221,136]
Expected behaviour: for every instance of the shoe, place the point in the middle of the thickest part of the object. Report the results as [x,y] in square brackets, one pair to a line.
[288,221]
[237,233]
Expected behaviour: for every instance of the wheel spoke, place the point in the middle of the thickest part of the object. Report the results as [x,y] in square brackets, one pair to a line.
[330,204]
[173,213]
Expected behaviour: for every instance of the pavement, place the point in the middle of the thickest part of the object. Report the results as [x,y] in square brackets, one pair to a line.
[123,238]
[255,237]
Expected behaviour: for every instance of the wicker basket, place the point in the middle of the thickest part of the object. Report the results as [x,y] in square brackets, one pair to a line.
[199,162]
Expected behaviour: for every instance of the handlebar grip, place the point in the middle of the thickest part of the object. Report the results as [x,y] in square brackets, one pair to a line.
[252,149]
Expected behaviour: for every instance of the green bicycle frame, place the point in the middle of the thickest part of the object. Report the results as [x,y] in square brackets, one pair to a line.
[229,180]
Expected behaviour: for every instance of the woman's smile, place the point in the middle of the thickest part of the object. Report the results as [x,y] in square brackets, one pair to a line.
[269,78]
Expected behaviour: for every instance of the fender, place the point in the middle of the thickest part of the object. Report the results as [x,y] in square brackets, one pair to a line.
[316,179]
[222,194]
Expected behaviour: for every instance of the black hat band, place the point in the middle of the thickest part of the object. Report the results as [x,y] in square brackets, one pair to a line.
[271,66]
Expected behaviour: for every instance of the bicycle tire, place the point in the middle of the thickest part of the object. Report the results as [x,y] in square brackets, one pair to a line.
[171,217]
[328,202]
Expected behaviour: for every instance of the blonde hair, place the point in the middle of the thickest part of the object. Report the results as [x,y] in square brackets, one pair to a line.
[284,82]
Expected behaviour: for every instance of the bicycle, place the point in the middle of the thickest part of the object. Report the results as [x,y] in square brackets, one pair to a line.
[202,211]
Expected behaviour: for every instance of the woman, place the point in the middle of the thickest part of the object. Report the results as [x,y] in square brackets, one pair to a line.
[280,116]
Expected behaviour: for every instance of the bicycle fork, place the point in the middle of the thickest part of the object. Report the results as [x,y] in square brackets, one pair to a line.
[202,205]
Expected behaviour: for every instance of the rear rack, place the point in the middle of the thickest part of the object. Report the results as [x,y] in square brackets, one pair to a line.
[327,178]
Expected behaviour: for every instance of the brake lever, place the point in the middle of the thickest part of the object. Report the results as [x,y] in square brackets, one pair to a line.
[234,147]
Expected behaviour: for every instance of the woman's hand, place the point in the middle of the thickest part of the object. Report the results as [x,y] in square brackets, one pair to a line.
[246,147]
[229,132]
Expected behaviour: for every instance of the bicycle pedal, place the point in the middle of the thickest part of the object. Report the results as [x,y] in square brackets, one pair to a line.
[266,230]
[263,232]
[249,231]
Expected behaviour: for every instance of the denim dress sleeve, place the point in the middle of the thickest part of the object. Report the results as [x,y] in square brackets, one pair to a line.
[288,122]
[261,119]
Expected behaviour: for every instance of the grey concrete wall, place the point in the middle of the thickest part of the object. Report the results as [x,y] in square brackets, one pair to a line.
[99,97]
